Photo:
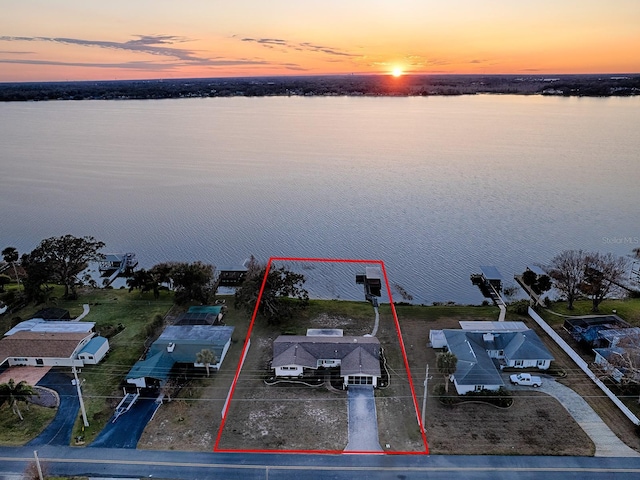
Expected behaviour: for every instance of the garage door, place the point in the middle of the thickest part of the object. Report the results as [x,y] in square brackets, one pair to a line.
[359,380]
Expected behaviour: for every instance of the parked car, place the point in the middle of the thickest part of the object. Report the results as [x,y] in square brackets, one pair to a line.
[525,379]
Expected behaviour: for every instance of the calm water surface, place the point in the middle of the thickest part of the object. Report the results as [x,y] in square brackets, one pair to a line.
[435,187]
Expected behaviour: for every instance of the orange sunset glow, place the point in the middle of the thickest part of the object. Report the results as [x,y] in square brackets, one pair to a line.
[68,40]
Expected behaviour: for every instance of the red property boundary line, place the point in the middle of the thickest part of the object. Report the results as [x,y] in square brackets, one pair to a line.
[216,446]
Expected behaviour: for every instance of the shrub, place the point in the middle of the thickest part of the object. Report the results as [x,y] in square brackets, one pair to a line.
[444,397]
[521,307]
[500,398]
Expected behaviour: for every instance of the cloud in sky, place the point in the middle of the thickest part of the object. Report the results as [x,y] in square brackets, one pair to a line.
[149,44]
[301,47]
[158,45]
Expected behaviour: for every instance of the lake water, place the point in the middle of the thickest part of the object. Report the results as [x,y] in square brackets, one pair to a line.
[434,186]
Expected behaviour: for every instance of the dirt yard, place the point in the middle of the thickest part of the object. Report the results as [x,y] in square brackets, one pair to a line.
[287,417]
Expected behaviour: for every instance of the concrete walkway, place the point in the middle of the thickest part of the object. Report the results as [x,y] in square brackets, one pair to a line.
[363,421]
[606,442]
[85,312]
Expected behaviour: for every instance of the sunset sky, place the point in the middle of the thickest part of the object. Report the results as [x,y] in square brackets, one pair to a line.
[49,40]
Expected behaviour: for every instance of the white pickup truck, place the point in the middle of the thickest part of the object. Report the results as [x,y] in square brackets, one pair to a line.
[525,379]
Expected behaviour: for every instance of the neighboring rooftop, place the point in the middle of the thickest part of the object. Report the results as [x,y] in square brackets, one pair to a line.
[490,272]
[490,326]
[41,325]
[40,344]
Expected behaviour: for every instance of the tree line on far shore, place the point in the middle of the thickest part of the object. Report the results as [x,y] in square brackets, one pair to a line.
[60,260]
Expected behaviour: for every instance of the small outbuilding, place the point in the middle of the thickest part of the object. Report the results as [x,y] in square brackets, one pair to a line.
[94,351]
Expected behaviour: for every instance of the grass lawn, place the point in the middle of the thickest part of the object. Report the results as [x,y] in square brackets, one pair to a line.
[14,432]
[628,309]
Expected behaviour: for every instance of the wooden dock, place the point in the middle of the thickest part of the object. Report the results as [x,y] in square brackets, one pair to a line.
[115,265]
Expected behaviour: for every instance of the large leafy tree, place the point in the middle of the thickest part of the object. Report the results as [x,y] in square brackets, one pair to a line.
[10,255]
[193,281]
[38,275]
[283,295]
[603,274]
[12,393]
[66,257]
[567,271]
[538,283]
[446,363]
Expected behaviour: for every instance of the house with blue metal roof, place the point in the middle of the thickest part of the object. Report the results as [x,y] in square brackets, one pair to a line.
[180,344]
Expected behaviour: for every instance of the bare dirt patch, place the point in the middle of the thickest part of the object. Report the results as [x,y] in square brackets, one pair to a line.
[298,417]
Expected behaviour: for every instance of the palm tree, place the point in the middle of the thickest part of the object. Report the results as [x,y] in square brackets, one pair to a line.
[12,393]
[10,255]
[207,357]
[446,363]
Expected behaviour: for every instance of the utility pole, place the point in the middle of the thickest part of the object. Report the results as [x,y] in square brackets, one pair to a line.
[35,454]
[84,413]
[424,398]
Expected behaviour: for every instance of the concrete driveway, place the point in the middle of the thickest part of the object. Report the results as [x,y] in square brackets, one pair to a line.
[606,442]
[363,421]
[61,427]
[128,429]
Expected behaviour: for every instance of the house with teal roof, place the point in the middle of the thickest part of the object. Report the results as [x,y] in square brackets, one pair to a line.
[180,344]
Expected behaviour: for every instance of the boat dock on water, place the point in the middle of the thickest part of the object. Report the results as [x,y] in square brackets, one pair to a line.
[115,265]
[490,281]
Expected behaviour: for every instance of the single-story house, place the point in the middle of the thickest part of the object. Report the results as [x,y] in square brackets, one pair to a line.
[180,344]
[44,348]
[480,354]
[358,358]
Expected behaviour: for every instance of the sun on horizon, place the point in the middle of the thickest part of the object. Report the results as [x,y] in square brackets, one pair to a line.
[397,72]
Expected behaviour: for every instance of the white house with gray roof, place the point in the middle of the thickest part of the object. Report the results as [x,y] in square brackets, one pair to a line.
[358,358]
[481,355]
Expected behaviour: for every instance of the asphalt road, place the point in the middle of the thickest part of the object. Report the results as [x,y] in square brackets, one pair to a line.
[96,462]
[126,431]
[61,427]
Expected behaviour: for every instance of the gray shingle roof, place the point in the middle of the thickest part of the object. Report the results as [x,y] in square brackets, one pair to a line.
[358,355]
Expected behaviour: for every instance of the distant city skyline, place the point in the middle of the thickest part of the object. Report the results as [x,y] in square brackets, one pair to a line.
[43,40]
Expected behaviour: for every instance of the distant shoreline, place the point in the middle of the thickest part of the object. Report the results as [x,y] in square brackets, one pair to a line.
[603,85]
